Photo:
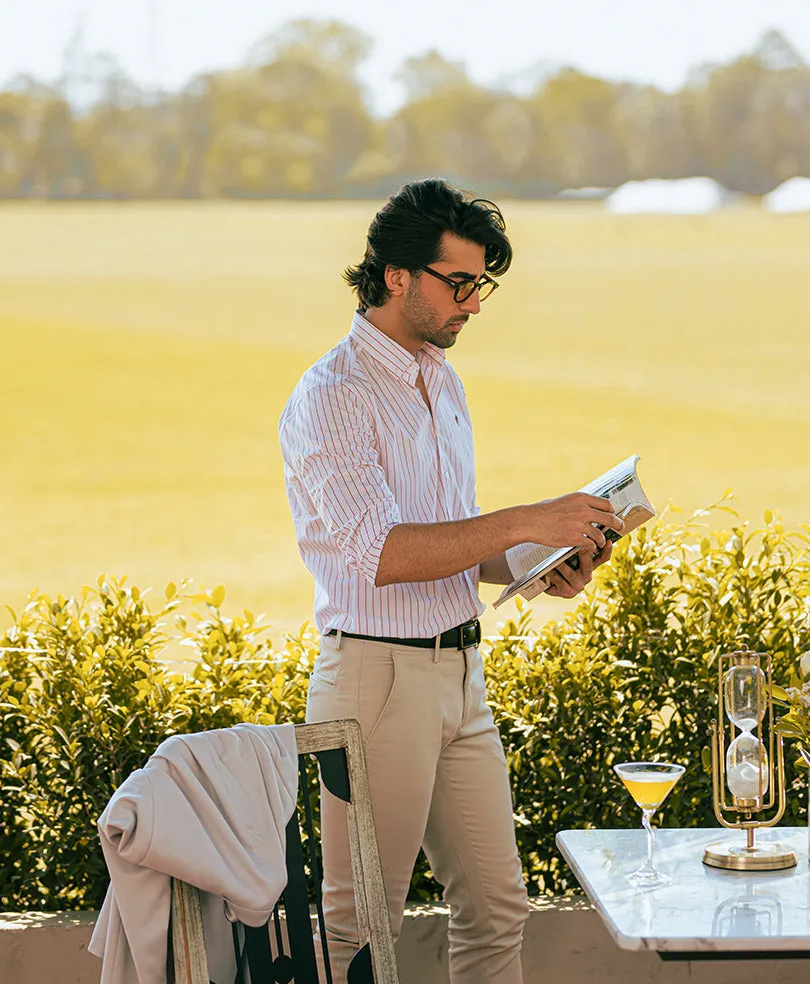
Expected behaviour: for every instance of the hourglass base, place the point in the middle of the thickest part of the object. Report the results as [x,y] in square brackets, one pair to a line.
[736,856]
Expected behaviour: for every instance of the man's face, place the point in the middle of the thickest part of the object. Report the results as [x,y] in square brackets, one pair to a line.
[431,312]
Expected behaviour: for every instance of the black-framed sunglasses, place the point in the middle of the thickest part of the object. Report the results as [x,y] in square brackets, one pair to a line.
[464,289]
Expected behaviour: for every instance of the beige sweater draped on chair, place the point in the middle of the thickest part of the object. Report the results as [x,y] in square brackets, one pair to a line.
[209,809]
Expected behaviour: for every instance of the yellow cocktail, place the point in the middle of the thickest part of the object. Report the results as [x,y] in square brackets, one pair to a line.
[649,783]
[649,790]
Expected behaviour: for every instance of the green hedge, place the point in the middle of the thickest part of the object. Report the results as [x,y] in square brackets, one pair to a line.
[630,673]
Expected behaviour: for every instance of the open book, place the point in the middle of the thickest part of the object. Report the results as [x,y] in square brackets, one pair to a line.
[531,562]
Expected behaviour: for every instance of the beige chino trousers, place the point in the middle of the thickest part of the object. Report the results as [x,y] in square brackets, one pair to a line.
[438,780]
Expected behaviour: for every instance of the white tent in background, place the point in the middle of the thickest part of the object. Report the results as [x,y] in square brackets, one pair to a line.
[792,195]
[684,196]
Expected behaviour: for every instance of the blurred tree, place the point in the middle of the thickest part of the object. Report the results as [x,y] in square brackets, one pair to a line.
[430,75]
[39,157]
[293,121]
[577,119]
[752,117]
[329,44]
[451,126]
[651,128]
[19,126]
[119,136]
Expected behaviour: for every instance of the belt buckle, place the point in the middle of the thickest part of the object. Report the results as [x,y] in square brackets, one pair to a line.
[469,635]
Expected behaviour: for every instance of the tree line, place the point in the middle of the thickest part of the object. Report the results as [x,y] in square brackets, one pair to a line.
[294,121]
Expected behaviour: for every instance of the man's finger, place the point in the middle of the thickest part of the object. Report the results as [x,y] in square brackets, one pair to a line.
[595,534]
[604,554]
[570,577]
[559,587]
[586,557]
[607,519]
[598,502]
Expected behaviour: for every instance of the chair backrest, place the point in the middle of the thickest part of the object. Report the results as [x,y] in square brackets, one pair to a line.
[285,951]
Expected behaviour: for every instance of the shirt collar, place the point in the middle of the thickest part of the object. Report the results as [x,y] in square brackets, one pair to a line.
[389,353]
[434,352]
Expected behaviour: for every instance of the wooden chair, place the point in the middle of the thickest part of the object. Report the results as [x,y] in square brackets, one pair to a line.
[338,747]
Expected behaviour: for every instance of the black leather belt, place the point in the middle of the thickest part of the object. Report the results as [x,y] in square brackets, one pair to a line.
[461,637]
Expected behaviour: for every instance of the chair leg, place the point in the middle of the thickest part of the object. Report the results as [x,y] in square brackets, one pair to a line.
[188,944]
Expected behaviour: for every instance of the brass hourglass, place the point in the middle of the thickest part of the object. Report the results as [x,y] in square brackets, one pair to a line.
[753,773]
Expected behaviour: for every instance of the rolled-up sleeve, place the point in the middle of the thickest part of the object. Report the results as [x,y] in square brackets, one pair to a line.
[329,446]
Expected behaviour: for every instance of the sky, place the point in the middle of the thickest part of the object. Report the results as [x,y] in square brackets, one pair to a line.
[164,43]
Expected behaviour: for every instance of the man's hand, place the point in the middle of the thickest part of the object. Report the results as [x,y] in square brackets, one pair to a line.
[565,582]
[568,519]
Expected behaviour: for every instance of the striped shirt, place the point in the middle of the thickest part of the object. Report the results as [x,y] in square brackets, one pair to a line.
[362,453]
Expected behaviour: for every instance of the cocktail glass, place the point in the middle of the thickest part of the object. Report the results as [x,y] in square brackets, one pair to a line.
[649,783]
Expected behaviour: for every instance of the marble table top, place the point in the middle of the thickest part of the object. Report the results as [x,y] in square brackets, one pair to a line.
[704,909]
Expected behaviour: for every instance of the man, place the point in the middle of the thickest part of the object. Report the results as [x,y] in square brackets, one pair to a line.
[378,454]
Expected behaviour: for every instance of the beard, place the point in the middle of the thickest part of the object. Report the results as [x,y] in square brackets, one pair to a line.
[426,323]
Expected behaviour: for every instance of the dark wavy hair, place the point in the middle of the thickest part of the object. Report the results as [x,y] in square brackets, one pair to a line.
[406,233]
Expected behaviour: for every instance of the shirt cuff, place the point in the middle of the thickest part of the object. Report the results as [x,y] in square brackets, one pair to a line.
[364,548]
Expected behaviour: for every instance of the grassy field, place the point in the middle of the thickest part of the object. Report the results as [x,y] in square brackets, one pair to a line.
[147,351]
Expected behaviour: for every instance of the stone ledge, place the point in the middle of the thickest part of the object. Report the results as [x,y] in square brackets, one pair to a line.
[17,922]
[565,942]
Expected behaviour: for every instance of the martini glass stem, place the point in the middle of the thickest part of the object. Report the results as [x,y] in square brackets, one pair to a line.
[646,817]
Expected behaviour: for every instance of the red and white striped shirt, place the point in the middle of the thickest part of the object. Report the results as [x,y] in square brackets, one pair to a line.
[362,453]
